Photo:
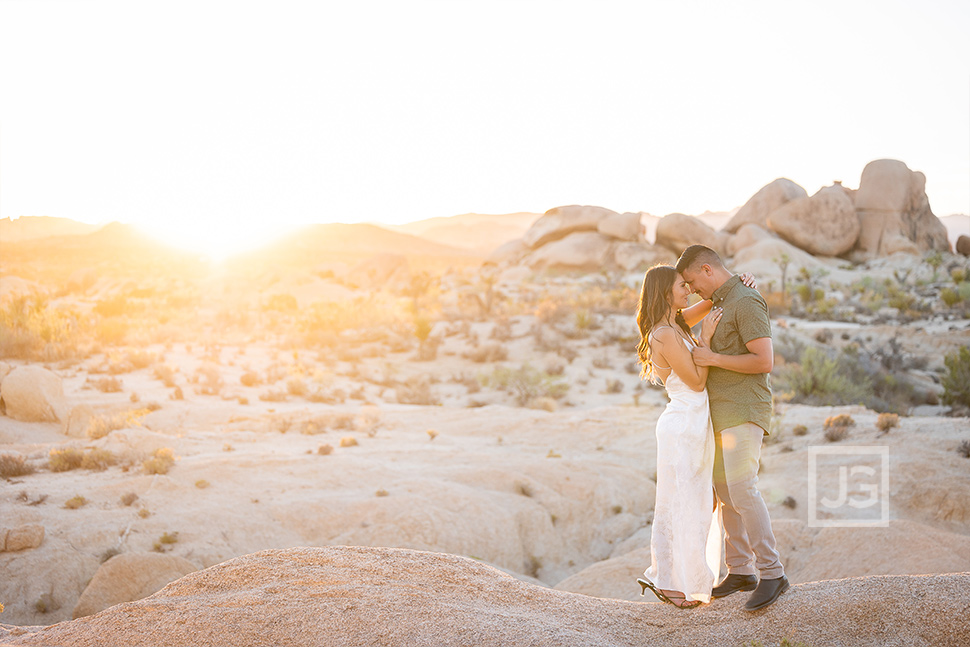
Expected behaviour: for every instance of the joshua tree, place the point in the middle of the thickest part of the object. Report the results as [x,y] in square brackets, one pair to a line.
[782,262]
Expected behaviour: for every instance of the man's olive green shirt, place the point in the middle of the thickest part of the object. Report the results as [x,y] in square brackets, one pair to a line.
[737,398]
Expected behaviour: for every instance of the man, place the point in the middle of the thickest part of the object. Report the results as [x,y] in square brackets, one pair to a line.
[740,358]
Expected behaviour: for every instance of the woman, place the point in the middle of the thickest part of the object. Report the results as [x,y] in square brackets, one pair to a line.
[685,544]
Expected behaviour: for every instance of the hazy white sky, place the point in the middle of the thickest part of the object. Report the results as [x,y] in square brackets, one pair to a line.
[229,120]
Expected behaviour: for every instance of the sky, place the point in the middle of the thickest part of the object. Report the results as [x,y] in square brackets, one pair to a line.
[218,124]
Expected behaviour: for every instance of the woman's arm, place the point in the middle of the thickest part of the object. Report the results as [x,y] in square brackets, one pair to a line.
[693,314]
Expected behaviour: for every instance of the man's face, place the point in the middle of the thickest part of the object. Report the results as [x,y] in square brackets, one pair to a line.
[701,279]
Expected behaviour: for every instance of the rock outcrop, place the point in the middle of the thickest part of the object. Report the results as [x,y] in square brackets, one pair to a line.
[622,226]
[129,577]
[587,250]
[23,537]
[963,245]
[895,213]
[559,222]
[825,224]
[383,596]
[677,232]
[770,197]
[33,394]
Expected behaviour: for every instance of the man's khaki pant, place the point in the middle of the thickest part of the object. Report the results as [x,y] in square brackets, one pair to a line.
[749,541]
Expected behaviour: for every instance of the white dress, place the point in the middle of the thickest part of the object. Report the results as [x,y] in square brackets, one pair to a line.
[685,545]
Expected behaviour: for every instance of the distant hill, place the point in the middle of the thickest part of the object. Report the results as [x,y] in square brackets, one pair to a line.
[31,227]
[311,245]
[956,225]
[477,232]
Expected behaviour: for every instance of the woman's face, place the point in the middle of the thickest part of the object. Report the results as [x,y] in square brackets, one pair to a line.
[680,293]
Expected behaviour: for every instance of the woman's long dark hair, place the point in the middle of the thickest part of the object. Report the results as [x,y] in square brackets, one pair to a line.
[658,283]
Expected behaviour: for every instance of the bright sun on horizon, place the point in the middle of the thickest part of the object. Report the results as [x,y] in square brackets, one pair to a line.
[217,125]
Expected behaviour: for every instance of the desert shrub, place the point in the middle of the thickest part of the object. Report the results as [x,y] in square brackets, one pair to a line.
[165,542]
[202,484]
[502,330]
[249,378]
[160,462]
[31,329]
[98,460]
[887,421]
[141,359]
[837,427]
[209,379]
[165,373]
[488,353]
[800,430]
[964,449]
[63,460]
[841,420]
[324,450]
[108,385]
[14,465]
[348,441]
[819,380]
[296,386]
[956,379]
[416,390]
[128,498]
[75,502]
[527,383]
[614,386]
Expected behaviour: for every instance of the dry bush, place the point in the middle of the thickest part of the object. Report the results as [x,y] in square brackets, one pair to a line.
[202,484]
[614,386]
[63,460]
[14,465]
[502,331]
[98,460]
[487,354]
[964,449]
[165,373]
[141,359]
[887,421]
[75,502]
[296,385]
[841,420]
[249,378]
[800,430]
[160,462]
[108,385]
[527,383]
[101,426]
[348,441]
[209,379]
[324,450]
[129,498]
[416,390]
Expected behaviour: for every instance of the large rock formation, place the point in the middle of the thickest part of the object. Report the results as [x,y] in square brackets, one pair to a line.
[677,232]
[825,224]
[33,394]
[895,213]
[963,245]
[587,250]
[623,226]
[129,577]
[770,197]
[383,596]
[559,222]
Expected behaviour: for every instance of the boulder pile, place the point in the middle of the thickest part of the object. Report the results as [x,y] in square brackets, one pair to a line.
[889,213]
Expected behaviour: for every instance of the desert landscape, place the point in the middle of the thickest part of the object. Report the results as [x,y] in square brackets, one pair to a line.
[467,388]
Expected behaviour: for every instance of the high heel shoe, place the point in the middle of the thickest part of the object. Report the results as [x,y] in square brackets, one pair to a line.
[685,604]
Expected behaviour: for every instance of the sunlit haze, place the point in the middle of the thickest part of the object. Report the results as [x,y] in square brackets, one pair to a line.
[218,124]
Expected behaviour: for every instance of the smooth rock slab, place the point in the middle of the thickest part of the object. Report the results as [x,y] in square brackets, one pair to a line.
[383,596]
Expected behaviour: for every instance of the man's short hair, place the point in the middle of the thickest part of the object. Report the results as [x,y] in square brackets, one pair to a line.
[698,254]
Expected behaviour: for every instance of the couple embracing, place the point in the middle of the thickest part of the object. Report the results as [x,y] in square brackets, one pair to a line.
[709,436]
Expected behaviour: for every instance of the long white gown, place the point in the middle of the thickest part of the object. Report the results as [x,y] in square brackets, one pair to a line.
[685,545]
